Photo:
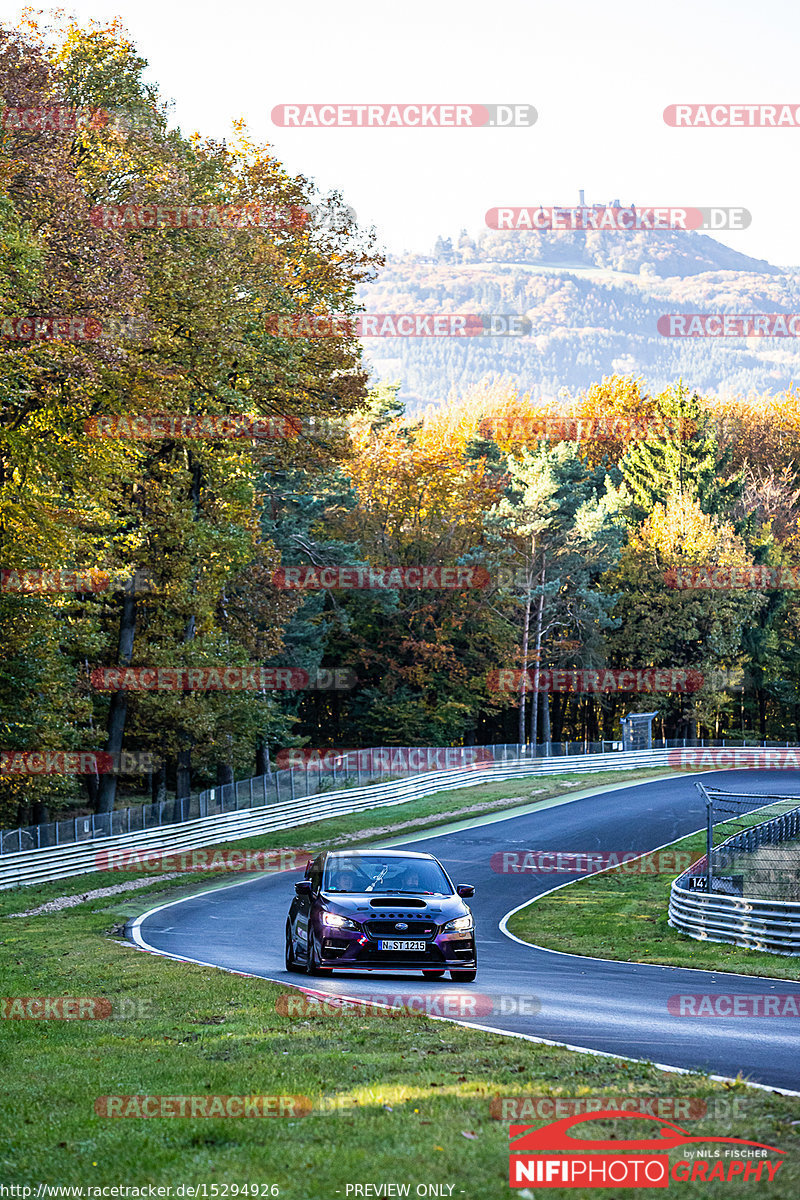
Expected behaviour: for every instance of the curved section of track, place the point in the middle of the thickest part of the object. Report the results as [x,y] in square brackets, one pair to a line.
[595,1004]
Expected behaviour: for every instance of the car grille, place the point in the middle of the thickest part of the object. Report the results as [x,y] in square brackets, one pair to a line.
[418,930]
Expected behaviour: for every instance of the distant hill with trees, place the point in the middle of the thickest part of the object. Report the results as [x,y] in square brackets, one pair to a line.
[593,299]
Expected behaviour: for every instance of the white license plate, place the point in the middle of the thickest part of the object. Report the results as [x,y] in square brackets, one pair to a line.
[395,945]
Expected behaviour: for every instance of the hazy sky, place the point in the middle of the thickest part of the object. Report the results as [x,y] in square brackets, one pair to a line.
[599,74]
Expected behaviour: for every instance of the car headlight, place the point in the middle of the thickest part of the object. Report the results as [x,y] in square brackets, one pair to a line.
[461,924]
[336,922]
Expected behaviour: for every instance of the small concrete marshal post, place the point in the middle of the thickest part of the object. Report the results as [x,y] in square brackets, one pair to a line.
[637,731]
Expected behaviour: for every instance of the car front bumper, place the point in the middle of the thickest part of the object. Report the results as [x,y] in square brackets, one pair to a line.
[348,948]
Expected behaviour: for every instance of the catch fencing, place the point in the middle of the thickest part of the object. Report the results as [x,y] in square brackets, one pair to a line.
[747,891]
[60,862]
[289,806]
[357,768]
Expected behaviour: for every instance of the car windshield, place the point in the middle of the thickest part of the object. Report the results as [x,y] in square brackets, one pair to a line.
[406,877]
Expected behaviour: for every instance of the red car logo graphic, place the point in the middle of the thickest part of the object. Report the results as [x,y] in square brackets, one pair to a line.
[556,1136]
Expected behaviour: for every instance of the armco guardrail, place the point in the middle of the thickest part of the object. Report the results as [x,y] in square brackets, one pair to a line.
[771,925]
[757,923]
[61,862]
[370,764]
[333,771]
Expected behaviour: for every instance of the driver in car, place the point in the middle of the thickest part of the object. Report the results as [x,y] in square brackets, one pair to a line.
[411,881]
[343,881]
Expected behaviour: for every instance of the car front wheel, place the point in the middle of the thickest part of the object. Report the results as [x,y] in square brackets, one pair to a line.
[289,959]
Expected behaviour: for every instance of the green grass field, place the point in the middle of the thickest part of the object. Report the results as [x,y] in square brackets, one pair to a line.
[396,1098]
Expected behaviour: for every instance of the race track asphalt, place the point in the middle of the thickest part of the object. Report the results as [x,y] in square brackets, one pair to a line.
[616,1007]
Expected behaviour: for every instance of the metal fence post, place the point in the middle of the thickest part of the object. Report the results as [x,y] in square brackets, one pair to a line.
[709,841]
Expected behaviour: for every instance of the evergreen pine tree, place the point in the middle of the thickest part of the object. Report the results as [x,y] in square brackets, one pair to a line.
[684,462]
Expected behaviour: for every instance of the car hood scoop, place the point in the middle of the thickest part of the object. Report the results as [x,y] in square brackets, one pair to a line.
[397,902]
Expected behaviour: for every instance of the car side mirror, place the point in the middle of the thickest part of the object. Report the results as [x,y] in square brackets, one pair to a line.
[465,890]
[303,888]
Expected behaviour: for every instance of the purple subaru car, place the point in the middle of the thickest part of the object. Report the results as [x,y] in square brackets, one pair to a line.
[381,910]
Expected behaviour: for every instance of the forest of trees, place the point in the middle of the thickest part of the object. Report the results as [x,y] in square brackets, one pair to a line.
[575,517]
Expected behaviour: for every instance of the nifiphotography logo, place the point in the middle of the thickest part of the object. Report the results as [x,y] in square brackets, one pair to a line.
[551,1156]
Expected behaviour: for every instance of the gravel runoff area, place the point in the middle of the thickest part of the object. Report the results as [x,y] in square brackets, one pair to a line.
[61,902]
